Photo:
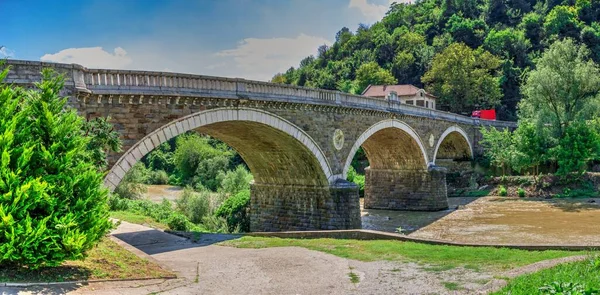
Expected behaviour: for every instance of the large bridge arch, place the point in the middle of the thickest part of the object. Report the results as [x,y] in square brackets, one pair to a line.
[218,123]
[381,142]
[293,186]
[454,143]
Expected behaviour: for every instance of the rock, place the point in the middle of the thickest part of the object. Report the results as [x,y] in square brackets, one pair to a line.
[484,187]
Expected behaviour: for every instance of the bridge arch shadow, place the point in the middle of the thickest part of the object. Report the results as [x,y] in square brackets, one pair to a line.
[294,187]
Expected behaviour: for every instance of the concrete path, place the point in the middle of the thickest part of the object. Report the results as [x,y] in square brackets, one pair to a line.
[205,268]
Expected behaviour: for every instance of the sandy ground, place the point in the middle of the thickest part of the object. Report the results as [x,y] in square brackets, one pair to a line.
[501,220]
[205,268]
[156,193]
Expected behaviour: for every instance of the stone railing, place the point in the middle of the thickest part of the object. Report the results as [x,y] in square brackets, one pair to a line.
[125,82]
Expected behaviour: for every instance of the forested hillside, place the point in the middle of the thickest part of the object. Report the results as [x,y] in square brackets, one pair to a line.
[469,53]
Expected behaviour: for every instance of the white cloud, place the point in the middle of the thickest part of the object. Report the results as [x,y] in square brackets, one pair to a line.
[373,12]
[260,59]
[5,52]
[251,58]
[91,57]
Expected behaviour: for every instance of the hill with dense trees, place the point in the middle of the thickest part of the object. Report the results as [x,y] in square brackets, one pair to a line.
[469,53]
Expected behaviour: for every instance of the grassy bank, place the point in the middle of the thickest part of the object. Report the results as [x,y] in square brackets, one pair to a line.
[435,255]
[583,275]
[107,261]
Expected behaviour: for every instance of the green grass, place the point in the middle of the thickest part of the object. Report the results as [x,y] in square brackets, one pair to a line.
[449,257]
[452,286]
[354,278]
[107,260]
[583,272]
[136,218]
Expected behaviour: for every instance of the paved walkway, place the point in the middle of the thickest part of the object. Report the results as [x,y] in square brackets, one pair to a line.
[205,268]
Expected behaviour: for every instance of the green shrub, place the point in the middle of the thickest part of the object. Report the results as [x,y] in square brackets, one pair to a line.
[174,179]
[236,180]
[132,185]
[178,222]
[194,205]
[502,191]
[53,206]
[358,179]
[521,192]
[215,224]
[234,209]
[116,203]
[158,177]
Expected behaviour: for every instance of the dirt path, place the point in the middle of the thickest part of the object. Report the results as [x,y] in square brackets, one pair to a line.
[205,268]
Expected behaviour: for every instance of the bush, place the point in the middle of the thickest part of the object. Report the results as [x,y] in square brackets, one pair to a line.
[521,192]
[158,177]
[194,205]
[234,209]
[132,185]
[502,191]
[53,206]
[358,179]
[216,224]
[178,222]
[236,180]
[116,203]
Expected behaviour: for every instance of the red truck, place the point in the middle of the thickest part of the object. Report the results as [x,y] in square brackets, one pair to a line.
[484,114]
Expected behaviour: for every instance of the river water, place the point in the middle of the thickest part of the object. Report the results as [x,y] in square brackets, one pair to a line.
[497,220]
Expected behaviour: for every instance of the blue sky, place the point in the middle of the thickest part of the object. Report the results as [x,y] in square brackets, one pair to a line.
[252,39]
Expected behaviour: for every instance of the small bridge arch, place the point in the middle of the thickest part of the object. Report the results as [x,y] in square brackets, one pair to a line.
[453,144]
[390,144]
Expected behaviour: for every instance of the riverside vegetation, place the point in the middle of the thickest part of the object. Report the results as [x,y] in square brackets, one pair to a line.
[217,193]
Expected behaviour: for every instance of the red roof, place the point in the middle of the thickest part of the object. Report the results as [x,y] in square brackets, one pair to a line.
[384,90]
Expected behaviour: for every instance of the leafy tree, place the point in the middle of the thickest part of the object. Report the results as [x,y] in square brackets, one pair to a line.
[195,157]
[132,186]
[236,180]
[53,206]
[467,31]
[372,74]
[510,44]
[531,146]
[103,139]
[499,147]
[464,79]
[532,25]
[563,21]
[576,148]
[563,88]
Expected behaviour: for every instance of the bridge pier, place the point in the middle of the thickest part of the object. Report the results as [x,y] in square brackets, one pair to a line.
[418,190]
[294,208]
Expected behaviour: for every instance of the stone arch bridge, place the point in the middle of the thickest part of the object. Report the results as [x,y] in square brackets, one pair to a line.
[298,142]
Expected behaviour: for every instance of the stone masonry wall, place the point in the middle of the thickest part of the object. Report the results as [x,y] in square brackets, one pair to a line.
[285,208]
[405,190]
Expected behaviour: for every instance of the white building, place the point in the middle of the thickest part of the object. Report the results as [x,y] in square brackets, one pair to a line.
[407,94]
